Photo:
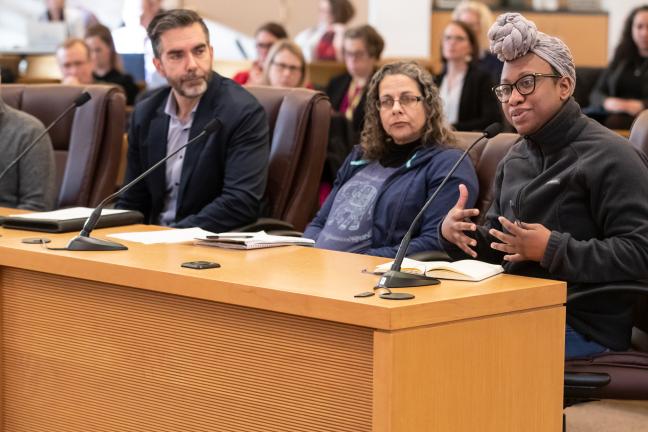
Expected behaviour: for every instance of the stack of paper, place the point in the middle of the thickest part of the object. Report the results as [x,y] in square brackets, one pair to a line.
[258,240]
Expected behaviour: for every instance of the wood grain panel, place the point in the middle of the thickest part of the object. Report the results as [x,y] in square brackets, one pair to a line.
[89,356]
[585,34]
[496,374]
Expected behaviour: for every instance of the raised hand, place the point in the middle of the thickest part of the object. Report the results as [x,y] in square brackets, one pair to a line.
[454,224]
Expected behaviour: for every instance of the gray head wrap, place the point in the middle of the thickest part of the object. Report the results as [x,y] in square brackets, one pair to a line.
[512,36]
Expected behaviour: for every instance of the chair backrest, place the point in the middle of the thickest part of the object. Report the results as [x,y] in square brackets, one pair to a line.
[87,142]
[639,132]
[485,157]
[299,121]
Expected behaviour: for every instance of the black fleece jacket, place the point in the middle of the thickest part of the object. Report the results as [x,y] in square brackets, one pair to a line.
[589,187]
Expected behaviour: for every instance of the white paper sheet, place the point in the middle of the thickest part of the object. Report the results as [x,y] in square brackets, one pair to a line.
[184,235]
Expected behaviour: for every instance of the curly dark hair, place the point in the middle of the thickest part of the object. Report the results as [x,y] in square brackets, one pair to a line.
[436,130]
[627,48]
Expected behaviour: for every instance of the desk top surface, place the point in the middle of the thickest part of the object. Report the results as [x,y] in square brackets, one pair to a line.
[296,280]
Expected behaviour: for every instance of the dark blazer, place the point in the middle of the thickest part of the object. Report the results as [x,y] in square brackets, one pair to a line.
[336,89]
[478,106]
[223,175]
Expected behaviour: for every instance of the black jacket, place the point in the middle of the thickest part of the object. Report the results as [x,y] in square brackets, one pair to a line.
[588,186]
[336,89]
[478,106]
[223,175]
[124,80]
[608,84]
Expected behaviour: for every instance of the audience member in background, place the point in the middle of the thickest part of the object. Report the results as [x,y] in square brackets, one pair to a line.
[324,41]
[622,91]
[402,158]
[465,88]
[569,199]
[284,66]
[107,65]
[30,183]
[479,18]
[150,8]
[216,183]
[76,20]
[361,48]
[264,38]
[75,62]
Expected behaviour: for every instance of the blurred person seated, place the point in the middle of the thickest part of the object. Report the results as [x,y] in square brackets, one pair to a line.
[361,47]
[264,38]
[465,88]
[75,62]
[402,158]
[479,18]
[285,65]
[218,182]
[106,61]
[323,42]
[622,90]
[76,20]
[30,184]
[131,38]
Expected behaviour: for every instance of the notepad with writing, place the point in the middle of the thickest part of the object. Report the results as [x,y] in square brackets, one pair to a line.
[465,270]
[257,240]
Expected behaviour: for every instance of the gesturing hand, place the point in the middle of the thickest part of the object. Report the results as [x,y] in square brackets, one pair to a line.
[454,224]
[523,242]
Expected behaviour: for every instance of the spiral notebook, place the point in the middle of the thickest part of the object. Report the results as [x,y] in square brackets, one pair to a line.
[257,240]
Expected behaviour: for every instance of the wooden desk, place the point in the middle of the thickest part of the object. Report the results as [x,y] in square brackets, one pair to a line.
[272,341]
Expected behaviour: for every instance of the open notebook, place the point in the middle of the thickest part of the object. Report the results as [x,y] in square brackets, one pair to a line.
[466,270]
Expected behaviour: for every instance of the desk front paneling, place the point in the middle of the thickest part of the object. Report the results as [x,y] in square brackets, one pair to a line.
[88,356]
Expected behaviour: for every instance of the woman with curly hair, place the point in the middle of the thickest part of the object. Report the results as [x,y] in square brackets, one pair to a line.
[403,156]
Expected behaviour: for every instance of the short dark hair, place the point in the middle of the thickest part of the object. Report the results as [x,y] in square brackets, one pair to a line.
[342,11]
[275,29]
[371,38]
[171,19]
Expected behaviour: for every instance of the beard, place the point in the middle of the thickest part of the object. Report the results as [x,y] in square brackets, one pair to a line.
[191,85]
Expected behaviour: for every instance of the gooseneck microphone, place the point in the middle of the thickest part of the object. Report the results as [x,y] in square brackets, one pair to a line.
[83,242]
[395,278]
[80,100]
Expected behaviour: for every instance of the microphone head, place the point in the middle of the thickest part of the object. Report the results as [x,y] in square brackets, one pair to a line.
[492,130]
[82,98]
[213,126]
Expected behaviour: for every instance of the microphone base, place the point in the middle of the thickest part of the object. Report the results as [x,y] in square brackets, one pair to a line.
[81,243]
[398,279]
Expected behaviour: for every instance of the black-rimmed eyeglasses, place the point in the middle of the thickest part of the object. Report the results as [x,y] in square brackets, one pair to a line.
[524,85]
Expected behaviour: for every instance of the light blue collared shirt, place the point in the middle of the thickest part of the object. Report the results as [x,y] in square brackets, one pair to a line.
[177,136]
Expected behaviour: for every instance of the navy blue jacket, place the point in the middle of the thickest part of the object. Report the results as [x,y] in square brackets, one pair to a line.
[403,194]
[223,176]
